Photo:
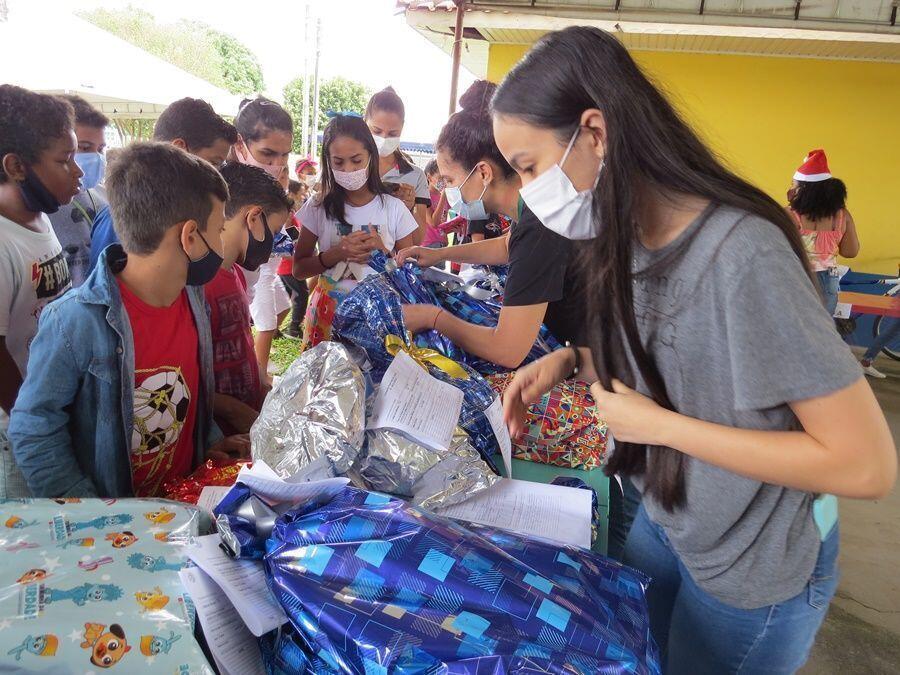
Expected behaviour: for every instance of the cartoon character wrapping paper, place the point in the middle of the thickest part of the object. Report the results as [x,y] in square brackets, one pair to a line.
[92,586]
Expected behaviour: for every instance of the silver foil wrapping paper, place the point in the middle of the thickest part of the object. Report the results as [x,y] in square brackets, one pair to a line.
[315,414]
[396,465]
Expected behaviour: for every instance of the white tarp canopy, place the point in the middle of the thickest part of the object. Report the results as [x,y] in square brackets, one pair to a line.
[125,82]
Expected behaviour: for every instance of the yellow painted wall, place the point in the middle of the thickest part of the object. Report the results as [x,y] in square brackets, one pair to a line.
[762,114]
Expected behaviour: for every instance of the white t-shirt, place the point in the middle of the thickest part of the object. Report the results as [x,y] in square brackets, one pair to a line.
[33,271]
[387,214]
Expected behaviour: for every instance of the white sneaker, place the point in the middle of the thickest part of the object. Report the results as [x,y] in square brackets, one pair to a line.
[871,371]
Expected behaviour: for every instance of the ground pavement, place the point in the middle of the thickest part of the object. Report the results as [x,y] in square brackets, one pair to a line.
[861,633]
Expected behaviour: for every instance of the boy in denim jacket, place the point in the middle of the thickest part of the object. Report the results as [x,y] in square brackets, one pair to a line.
[118,396]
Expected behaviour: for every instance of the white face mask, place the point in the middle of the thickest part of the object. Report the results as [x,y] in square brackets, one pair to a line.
[386,146]
[351,180]
[558,205]
[311,180]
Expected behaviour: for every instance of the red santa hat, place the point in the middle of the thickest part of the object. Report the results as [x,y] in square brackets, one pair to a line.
[814,168]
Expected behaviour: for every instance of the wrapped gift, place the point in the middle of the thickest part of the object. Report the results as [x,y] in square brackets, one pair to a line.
[212,473]
[89,585]
[315,416]
[372,584]
[372,321]
[562,428]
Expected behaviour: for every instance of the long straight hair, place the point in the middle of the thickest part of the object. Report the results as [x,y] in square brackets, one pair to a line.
[649,148]
[333,196]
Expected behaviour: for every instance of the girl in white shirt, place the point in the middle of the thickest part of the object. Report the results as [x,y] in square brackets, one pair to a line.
[352,216]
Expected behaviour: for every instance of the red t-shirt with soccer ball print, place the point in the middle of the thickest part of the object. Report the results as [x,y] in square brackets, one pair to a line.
[166,386]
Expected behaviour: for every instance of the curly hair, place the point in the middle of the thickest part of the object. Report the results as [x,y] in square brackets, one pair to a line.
[29,122]
[821,199]
[468,136]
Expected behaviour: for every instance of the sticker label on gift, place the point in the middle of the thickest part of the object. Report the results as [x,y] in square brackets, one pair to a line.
[494,414]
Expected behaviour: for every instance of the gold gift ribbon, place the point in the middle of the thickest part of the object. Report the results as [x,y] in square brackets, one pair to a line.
[423,356]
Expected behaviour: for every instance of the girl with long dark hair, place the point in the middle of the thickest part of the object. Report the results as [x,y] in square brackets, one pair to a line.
[385,116]
[736,408]
[351,216]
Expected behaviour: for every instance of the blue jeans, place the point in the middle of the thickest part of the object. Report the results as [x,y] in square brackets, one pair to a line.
[830,286]
[890,330]
[622,510]
[699,634]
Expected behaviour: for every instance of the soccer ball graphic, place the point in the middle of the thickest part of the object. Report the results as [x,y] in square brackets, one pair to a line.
[160,408]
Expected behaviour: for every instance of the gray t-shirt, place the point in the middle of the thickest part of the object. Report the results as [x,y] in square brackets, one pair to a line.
[72,224]
[737,330]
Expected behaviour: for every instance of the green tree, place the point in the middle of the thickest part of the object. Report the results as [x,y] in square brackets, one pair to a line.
[338,94]
[193,46]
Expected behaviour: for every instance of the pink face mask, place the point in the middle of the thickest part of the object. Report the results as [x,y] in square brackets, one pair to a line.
[242,152]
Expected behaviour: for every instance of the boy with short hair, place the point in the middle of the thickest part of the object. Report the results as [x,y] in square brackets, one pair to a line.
[38,173]
[256,210]
[190,124]
[119,393]
[74,221]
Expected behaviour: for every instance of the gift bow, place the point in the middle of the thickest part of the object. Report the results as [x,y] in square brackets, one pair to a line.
[423,356]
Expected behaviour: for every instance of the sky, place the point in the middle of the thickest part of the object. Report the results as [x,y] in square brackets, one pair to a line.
[362,40]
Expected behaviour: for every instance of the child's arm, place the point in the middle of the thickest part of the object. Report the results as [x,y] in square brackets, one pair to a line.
[38,427]
[237,413]
[10,378]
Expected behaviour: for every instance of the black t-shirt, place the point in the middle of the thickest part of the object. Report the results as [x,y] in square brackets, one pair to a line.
[542,269]
[490,228]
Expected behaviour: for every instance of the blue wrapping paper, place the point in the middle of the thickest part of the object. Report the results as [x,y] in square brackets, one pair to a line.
[373,585]
[373,311]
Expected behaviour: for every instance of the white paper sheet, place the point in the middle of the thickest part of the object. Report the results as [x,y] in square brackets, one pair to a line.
[554,512]
[233,647]
[842,310]
[242,581]
[415,403]
[210,496]
[494,414]
[267,484]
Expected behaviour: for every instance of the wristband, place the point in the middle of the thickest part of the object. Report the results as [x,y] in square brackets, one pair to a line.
[436,317]
[577,368]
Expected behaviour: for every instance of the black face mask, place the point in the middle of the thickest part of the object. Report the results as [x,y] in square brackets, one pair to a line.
[37,198]
[258,252]
[203,270]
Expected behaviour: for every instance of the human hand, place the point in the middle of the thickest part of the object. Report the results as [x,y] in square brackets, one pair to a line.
[424,257]
[407,194]
[230,448]
[353,247]
[630,416]
[242,416]
[530,383]
[418,318]
[374,242]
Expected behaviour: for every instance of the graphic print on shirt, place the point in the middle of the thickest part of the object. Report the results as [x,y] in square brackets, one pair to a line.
[49,278]
[233,364]
[161,402]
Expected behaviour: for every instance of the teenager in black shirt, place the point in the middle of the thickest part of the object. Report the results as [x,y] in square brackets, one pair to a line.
[541,285]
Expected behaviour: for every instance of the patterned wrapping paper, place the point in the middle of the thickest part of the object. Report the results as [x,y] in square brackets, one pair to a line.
[90,585]
[369,315]
[562,428]
[374,585]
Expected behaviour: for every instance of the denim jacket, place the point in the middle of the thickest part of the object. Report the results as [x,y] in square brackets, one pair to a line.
[71,425]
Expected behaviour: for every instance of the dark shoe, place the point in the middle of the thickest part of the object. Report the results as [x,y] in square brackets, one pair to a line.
[292,333]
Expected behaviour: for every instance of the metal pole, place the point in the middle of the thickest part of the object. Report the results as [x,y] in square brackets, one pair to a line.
[304,127]
[314,126]
[457,50]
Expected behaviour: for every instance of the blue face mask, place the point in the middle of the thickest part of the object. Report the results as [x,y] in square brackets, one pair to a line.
[473,210]
[94,166]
